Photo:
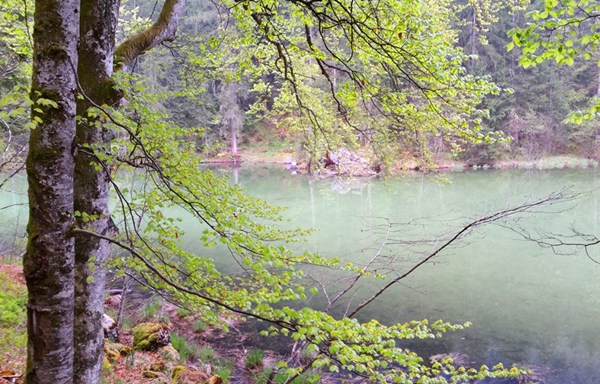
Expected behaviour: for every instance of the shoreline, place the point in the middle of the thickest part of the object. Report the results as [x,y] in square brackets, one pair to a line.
[544,163]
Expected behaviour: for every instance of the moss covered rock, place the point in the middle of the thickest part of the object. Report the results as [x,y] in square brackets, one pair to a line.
[111,352]
[115,350]
[169,354]
[177,371]
[158,366]
[151,374]
[106,363]
[150,336]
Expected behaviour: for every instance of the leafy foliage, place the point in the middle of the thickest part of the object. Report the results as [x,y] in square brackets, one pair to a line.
[339,78]
[563,31]
[388,74]
[246,231]
[15,71]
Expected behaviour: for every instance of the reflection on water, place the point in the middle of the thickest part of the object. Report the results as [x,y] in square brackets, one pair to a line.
[526,303]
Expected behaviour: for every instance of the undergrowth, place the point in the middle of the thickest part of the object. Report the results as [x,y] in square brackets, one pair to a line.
[13,335]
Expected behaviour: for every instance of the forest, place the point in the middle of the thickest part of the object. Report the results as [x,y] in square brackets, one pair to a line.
[111,109]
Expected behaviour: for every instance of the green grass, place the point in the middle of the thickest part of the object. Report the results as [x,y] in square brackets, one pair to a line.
[183,312]
[185,349]
[280,378]
[224,370]
[13,335]
[152,310]
[254,358]
[200,326]
[207,355]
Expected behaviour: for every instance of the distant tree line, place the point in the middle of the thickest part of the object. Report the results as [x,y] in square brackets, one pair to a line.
[530,111]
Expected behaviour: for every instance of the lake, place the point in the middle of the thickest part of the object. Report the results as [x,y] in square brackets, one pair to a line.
[527,304]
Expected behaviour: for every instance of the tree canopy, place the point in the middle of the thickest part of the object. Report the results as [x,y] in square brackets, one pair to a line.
[566,32]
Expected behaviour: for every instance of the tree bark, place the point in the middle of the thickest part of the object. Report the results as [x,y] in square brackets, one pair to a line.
[48,261]
[65,278]
[91,185]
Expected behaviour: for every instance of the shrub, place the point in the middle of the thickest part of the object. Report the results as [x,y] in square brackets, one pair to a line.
[13,336]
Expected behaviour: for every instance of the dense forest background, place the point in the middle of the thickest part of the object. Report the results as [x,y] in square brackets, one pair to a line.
[531,110]
[201,81]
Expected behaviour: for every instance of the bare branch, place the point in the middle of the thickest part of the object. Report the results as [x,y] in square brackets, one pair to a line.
[562,244]
[497,217]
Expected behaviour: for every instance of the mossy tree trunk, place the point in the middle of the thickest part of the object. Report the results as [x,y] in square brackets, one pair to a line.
[91,187]
[65,277]
[92,182]
[48,262]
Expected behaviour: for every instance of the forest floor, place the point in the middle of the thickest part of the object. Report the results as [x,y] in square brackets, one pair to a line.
[200,353]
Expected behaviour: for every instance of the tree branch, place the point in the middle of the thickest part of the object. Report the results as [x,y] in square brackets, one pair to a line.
[528,207]
[164,29]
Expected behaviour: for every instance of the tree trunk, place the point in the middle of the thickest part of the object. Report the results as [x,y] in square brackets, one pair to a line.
[231,117]
[64,176]
[48,261]
[91,187]
[92,182]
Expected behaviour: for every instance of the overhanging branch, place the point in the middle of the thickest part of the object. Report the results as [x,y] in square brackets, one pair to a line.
[498,217]
[164,29]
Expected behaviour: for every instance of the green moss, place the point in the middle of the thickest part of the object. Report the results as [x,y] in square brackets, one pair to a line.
[177,371]
[147,336]
[13,301]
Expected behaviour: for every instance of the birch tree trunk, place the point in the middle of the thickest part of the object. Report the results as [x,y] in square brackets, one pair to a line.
[91,185]
[48,261]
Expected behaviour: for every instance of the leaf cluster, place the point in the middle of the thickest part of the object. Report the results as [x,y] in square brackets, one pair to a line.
[562,31]
[245,231]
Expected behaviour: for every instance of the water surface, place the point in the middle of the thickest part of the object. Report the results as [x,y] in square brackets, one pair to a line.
[527,304]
